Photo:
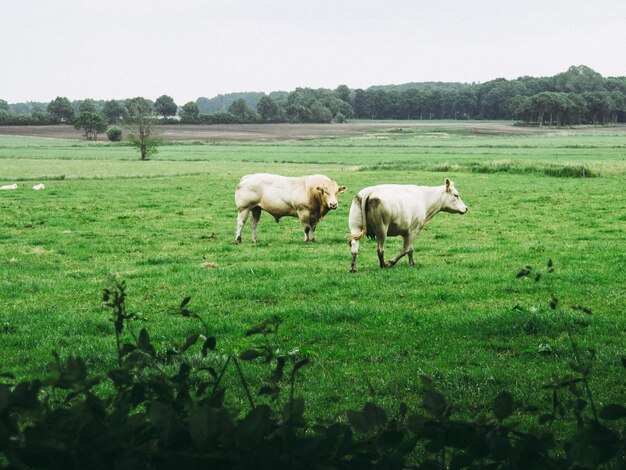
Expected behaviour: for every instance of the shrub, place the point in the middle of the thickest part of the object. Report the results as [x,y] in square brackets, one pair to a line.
[164,413]
[340,118]
[114,134]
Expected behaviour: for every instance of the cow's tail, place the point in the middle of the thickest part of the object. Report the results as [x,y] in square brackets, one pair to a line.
[361,201]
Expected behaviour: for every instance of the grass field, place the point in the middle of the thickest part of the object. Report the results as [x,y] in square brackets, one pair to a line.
[461,315]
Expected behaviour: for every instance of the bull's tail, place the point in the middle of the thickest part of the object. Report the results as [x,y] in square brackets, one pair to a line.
[359,201]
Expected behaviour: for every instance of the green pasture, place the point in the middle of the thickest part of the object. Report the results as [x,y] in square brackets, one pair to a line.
[461,315]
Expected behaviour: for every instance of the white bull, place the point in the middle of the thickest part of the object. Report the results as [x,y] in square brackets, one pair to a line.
[398,210]
[309,198]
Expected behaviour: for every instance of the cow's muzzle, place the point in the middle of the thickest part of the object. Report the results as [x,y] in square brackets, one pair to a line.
[332,205]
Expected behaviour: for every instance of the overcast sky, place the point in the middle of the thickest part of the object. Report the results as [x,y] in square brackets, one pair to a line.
[191,48]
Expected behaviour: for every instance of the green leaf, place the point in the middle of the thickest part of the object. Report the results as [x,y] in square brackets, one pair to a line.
[4,396]
[185,302]
[299,364]
[190,341]
[613,411]
[277,375]
[144,343]
[120,377]
[271,390]
[358,422]
[434,403]
[403,409]
[294,411]
[164,419]
[499,446]
[503,406]
[265,327]
[198,426]
[391,438]
[127,348]
[250,354]
[207,424]
[374,415]
[257,424]
[210,343]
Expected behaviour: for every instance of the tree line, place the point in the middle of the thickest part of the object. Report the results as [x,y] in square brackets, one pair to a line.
[577,96]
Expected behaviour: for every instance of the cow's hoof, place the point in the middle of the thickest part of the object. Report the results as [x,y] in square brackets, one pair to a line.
[389,265]
[238,240]
[352,269]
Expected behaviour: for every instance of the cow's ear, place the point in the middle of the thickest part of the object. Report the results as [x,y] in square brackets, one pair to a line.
[448,183]
[342,189]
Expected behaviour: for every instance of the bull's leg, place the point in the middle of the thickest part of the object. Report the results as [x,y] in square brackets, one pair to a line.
[241,220]
[256,215]
[312,232]
[304,217]
[410,253]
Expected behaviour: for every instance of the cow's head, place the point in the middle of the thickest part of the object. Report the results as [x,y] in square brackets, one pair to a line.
[328,194]
[452,201]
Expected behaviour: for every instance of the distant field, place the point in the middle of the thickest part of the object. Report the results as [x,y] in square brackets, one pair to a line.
[461,315]
[283,132]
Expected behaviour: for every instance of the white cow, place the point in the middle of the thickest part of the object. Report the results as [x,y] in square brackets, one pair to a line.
[39,186]
[398,210]
[8,186]
[309,198]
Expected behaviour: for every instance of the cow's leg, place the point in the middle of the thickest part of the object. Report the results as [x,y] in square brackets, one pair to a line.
[241,220]
[380,247]
[406,247]
[410,253]
[256,215]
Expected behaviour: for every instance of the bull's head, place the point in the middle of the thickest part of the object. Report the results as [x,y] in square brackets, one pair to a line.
[328,194]
[452,201]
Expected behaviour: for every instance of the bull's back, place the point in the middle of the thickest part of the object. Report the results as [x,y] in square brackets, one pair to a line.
[273,193]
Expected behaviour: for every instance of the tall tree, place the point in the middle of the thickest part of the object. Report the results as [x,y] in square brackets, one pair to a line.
[61,110]
[87,106]
[268,109]
[320,113]
[240,109]
[578,79]
[165,106]
[91,123]
[361,104]
[143,135]
[343,93]
[114,111]
[190,112]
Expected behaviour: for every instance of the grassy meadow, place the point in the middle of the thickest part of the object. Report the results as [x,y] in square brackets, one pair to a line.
[461,316]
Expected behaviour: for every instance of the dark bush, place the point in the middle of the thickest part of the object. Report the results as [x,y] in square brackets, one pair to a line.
[164,413]
[114,134]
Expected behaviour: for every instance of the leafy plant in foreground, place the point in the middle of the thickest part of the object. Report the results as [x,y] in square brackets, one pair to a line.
[164,413]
